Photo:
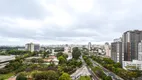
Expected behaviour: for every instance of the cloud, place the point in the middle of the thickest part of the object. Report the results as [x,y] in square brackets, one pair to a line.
[67,21]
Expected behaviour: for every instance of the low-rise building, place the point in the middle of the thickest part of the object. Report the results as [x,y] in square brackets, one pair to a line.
[132,65]
[51,59]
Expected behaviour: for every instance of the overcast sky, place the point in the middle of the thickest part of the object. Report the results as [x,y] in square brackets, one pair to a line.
[67,21]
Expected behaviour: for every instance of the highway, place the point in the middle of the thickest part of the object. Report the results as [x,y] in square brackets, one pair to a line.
[107,72]
[4,60]
[84,71]
[94,77]
[2,65]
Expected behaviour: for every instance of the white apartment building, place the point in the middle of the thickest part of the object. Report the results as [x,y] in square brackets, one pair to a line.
[66,49]
[132,65]
[107,50]
[140,51]
[89,46]
[32,47]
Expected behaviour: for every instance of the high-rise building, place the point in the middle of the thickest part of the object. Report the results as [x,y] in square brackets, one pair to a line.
[130,40]
[134,64]
[107,49]
[89,46]
[32,47]
[36,47]
[116,50]
[140,51]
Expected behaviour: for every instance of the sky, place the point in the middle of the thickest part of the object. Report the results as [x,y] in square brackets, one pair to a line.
[67,21]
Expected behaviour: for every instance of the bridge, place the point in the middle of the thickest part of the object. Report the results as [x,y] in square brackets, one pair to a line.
[4,60]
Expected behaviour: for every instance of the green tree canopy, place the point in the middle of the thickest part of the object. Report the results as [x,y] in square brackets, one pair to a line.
[59,54]
[52,75]
[45,75]
[62,60]
[21,76]
[84,78]
[65,76]
[76,53]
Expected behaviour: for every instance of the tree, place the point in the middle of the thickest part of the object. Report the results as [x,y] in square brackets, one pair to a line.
[108,78]
[45,54]
[79,63]
[76,53]
[22,76]
[17,52]
[117,65]
[84,78]
[99,72]
[34,60]
[108,61]
[45,75]
[62,60]
[4,71]
[59,54]
[65,76]
[52,75]
[65,56]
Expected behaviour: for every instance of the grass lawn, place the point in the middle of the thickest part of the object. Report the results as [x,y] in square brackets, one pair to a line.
[5,76]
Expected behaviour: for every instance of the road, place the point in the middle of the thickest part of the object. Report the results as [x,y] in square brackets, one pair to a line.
[12,78]
[107,72]
[83,71]
[2,65]
[94,77]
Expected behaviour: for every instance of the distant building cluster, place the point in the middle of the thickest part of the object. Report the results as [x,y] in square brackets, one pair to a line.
[95,49]
[128,50]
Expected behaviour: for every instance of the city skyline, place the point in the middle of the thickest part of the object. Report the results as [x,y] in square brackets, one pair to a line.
[67,21]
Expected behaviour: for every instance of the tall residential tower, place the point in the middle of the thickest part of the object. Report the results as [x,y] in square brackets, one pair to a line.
[89,46]
[116,50]
[130,40]
[107,49]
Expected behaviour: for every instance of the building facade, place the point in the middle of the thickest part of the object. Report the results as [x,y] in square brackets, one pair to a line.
[130,40]
[134,64]
[36,47]
[140,51]
[67,49]
[116,51]
[89,46]
[32,47]
[107,50]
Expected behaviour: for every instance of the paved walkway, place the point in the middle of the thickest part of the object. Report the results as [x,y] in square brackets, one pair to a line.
[12,78]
